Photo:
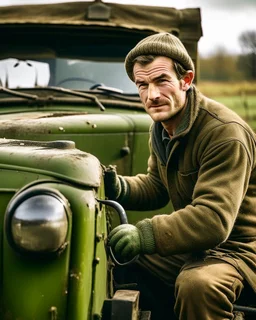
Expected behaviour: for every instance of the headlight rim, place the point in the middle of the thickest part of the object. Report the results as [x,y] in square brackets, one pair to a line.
[18,199]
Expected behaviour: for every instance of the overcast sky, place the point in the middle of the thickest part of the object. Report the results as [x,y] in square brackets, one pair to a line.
[222,20]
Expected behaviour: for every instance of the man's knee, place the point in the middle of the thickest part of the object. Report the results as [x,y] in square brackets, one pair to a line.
[210,279]
[194,281]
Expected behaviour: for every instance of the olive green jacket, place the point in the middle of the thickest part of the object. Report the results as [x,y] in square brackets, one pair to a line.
[210,177]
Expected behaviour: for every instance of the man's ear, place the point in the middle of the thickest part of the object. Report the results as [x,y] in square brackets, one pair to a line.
[187,80]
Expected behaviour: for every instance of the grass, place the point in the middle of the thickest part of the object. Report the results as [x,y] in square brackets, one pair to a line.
[238,96]
[212,89]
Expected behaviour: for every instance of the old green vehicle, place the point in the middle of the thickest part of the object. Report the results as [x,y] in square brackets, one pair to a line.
[67,110]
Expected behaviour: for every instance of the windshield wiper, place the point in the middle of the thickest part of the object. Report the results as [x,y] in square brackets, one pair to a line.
[101,86]
[79,94]
[20,94]
[114,92]
[40,99]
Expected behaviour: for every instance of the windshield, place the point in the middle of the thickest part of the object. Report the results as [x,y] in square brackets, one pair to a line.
[66,73]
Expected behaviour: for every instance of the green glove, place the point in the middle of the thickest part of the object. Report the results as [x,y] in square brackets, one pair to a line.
[128,240]
[115,185]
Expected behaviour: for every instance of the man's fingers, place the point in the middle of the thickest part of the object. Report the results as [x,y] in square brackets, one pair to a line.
[125,240]
[121,245]
[129,250]
[115,235]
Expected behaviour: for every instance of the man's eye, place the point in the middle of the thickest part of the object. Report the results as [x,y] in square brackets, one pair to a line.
[142,85]
[162,80]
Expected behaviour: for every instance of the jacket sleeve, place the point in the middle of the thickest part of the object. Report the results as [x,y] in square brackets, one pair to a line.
[146,191]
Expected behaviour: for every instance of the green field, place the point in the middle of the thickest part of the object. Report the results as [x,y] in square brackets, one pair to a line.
[240,97]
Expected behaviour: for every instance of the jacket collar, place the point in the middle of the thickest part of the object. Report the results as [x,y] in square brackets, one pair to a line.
[191,112]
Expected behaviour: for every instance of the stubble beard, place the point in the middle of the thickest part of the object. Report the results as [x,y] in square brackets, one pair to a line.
[170,113]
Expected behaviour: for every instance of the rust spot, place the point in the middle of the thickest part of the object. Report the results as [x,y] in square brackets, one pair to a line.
[75,275]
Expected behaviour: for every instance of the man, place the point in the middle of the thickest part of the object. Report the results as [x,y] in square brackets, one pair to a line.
[202,158]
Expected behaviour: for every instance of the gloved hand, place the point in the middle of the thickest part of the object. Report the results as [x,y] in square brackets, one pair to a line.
[128,240]
[112,183]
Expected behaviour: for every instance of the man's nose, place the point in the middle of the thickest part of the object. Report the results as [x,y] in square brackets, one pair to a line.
[153,92]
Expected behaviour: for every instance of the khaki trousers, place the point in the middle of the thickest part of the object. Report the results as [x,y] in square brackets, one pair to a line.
[204,289]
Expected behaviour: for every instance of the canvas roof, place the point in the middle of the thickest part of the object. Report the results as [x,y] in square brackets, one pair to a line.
[187,22]
[91,30]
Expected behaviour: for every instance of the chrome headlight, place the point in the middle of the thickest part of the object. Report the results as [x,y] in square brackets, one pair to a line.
[36,221]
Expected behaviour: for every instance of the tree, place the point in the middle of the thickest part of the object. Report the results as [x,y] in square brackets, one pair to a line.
[247,61]
[220,66]
[247,40]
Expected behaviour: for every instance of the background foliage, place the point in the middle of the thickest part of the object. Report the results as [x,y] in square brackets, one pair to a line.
[222,66]
[231,79]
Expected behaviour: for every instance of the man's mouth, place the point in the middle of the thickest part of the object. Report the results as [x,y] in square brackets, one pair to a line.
[155,106]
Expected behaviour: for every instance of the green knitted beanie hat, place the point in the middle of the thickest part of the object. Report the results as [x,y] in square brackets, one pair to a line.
[160,44]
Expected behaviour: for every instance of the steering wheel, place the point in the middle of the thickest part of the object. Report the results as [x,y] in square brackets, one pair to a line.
[75,79]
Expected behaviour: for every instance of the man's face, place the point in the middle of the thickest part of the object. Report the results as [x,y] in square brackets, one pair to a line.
[161,93]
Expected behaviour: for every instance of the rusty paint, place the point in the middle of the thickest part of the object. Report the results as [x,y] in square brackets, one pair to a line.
[75,275]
